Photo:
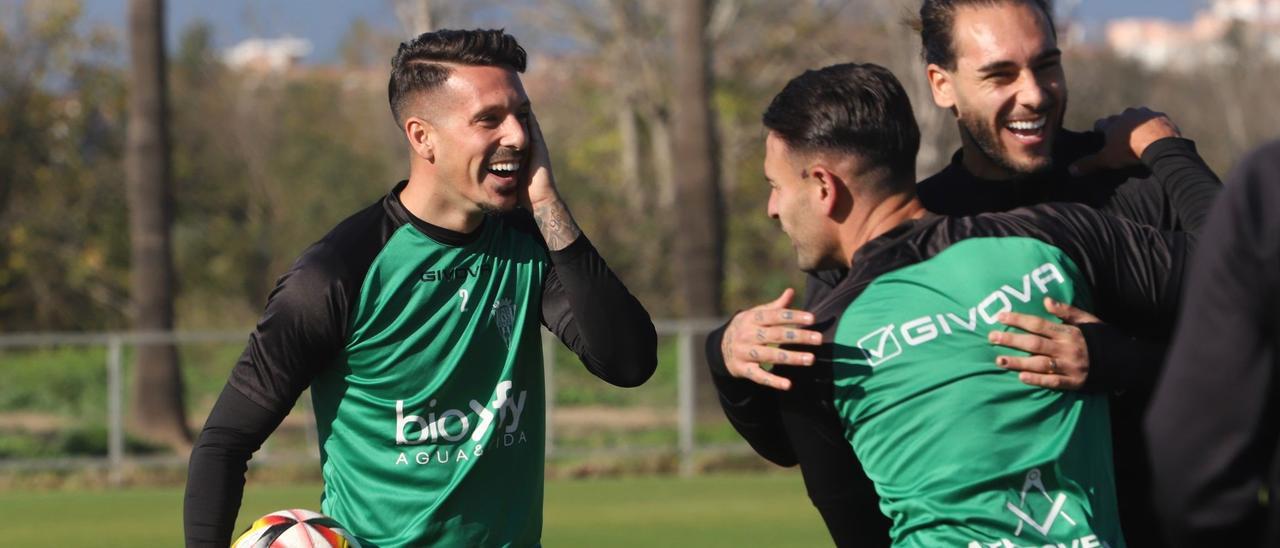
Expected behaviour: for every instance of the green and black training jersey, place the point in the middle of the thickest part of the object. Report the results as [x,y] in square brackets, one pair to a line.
[956,449]
[422,350]
[1172,192]
[959,451]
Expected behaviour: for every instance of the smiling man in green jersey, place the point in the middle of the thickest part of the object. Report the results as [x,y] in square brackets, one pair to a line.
[415,323]
[957,451]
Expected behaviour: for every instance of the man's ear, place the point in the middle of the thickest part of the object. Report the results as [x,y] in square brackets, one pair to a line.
[421,136]
[828,184]
[942,84]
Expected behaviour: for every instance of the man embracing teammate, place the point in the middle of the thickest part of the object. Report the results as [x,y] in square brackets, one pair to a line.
[996,65]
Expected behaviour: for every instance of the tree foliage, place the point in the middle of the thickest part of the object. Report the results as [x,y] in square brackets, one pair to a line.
[265,163]
[63,233]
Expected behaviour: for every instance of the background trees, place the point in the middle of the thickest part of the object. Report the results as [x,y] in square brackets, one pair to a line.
[63,233]
[263,163]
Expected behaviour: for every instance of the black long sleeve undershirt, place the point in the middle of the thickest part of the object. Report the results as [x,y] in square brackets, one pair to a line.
[592,312]
[750,410]
[583,303]
[800,426]
[234,431]
[1119,359]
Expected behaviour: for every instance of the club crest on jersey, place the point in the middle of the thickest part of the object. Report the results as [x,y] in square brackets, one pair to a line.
[503,314]
[1047,516]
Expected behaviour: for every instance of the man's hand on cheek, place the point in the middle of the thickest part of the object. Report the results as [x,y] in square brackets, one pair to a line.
[540,185]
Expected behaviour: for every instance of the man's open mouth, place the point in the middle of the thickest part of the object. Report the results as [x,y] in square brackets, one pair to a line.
[1031,128]
[505,169]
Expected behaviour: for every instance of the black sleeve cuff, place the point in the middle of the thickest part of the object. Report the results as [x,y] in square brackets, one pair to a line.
[589,308]
[1118,361]
[1168,147]
[572,252]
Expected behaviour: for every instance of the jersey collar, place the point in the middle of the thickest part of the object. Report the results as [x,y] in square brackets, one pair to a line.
[401,214]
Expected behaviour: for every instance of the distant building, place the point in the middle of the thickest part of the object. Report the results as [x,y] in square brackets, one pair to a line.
[266,54]
[1260,11]
[1161,44]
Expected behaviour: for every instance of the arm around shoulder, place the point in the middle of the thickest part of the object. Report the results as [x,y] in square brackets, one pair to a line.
[1189,183]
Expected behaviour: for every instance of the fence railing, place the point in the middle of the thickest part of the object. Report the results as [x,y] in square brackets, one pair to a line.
[688,334]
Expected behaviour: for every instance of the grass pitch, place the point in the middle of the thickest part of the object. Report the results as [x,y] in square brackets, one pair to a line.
[718,510]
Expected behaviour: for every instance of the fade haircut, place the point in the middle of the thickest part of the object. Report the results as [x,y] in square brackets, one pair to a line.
[420,65]
[850,108]
[936,25]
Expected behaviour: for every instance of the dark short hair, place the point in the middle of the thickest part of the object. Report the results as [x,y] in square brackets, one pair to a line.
[417,66]
[937,26]
[850,108]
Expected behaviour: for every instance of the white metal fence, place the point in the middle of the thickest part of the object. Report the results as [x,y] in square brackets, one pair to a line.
[688,335]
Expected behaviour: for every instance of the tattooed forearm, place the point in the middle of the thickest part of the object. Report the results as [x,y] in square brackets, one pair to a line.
[556,224]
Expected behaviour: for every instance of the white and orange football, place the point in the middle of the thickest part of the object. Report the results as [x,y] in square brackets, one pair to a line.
[295,529]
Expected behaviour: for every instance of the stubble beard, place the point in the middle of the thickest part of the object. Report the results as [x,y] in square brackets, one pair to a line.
[490,201]
[987,139]
[805,262]
[812,257]
[804,258]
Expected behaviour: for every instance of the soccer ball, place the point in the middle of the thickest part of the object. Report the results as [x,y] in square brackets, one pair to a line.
[295,529]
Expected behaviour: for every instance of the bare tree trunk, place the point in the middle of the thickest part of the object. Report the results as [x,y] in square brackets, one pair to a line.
[156,411]
[416,16]
[663,150]
[629,133]
[699,250]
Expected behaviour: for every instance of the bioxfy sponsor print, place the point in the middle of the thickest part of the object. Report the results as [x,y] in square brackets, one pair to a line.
[961,452]
[436,406]
[470,433]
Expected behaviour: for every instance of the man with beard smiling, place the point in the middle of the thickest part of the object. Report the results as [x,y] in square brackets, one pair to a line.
[996,65]
[414,323]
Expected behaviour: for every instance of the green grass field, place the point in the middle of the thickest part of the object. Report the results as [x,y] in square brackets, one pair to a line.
[716,510]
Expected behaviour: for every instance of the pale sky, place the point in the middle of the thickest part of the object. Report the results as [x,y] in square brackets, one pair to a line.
[324,22]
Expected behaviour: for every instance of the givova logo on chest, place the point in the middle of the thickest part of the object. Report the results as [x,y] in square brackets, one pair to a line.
[454,273]
[883,344]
